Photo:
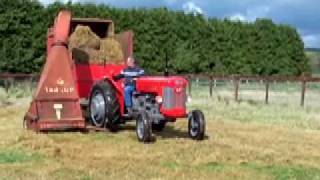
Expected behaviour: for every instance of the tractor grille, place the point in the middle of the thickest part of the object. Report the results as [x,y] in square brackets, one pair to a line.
[174,99]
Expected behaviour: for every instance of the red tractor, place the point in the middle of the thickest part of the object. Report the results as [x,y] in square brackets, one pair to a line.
[69,93]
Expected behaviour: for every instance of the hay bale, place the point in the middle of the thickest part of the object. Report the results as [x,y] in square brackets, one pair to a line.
[86,47]
[87,56]
[111,50]
[83,37]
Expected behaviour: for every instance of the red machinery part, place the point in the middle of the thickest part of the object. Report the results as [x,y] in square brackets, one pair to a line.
[87,75]
[159,83]
[62,27]
[56,103]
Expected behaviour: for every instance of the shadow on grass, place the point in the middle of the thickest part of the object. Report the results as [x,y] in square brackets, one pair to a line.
[169,132]
[127,127]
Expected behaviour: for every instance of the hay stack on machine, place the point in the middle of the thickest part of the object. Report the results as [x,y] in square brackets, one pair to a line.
[77,88]
[87,47]
[83,37]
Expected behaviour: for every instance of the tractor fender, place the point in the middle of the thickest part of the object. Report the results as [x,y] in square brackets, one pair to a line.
[119,92]
[114,84]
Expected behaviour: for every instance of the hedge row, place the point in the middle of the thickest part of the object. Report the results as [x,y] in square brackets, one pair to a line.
[194,44]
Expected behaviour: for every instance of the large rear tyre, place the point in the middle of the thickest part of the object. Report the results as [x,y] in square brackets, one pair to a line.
[196,125]
[143,127]
[104,108]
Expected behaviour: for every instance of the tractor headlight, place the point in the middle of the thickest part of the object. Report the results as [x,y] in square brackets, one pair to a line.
[159,99]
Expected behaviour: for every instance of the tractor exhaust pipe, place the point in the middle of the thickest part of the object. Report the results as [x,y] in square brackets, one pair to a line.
[166,69]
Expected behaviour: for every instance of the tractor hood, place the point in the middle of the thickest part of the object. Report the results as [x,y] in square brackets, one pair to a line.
[155,84]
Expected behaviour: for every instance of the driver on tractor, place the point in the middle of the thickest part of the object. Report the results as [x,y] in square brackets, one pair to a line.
[130,73]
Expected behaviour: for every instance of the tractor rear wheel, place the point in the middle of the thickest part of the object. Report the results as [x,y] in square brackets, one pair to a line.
[104,108]
[143,127]
[196,125]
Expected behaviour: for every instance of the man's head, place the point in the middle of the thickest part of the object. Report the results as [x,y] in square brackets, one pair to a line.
[130,61]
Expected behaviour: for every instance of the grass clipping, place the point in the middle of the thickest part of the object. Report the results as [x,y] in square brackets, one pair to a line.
[88,48]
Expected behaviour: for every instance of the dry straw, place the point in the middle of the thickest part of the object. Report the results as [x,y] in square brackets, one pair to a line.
[83,37]
[110,50]
[87,47]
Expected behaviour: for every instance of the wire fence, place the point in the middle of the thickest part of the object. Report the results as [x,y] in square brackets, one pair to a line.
[239,88]
[259,88]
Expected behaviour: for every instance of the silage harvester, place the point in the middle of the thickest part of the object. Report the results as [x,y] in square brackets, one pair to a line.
[73,95]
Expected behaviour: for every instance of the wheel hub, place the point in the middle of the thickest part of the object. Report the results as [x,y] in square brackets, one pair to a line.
[97,109]
[194,127]
[140,128]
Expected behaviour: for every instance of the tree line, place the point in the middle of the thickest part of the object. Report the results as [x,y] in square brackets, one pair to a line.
[192,43]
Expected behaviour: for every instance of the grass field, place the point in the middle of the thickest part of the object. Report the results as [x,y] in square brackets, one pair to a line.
[246,140]
[314,57]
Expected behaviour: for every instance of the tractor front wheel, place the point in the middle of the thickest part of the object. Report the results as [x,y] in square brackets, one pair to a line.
[143,127]
[196,125]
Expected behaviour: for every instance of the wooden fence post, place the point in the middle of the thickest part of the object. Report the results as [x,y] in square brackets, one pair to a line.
[211,84]
[303,91]
[6,85]
[8,82]
[30,83]
[198,82]
[236,89]
[267,92]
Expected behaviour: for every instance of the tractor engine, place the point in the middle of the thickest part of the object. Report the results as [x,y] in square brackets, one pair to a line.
[164,98]
[149,104]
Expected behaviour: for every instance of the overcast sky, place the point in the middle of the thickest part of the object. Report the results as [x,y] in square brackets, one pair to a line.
[302,14]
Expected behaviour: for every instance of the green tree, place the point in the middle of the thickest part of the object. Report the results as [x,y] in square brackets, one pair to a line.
[193,43]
